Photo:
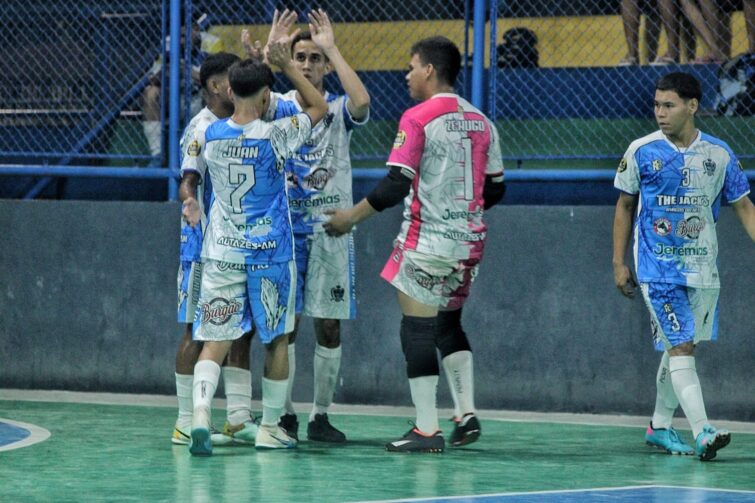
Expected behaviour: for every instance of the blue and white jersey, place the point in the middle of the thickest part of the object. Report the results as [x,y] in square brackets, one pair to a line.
[319,174]
[249,221]
[192,144]
[679,200]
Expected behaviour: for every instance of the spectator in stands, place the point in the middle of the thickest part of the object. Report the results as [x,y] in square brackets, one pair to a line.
[631,11]
[518,49]
[202,44]
[711,22]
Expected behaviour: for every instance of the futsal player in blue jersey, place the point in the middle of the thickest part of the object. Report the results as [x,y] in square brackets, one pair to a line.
[320,179]
[248,253]
[671,183]
[240,427]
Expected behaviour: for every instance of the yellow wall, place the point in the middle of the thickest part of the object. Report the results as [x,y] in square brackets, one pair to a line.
[563,41]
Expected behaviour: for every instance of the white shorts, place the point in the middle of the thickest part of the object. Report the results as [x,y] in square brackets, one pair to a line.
[232,295]
[431,280]
[680,314]
[189,278]
[325,284]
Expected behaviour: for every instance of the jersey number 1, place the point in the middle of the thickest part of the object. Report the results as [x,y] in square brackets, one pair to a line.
[243,176]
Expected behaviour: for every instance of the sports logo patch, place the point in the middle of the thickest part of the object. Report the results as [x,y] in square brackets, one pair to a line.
[690,228]
[622,165]
[657,165]
[218,311]
[336,293]
[193,149]
[662,226]
[400,139]
[709,166]
[295,121]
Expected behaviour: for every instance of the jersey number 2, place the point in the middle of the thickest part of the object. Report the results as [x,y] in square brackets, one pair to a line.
[243,176]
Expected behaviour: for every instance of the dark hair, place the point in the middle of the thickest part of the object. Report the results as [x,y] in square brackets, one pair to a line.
[302,35]
[248,76]
[216,64]
[683,84]
[442,54]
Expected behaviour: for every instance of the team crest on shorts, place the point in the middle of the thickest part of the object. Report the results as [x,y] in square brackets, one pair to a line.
[295,121]
[219,310]
[336,293]
[400,139]
[657,165]
[622,165]
[709,166]
[662,226]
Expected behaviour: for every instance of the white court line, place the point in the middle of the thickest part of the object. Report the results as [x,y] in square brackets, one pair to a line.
[367,410]
[38,434]
[561,491]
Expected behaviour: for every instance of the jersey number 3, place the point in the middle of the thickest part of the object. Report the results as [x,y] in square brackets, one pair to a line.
[243,176]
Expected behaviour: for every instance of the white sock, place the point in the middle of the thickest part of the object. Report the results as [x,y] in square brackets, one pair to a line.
[289,406]
[424,390]
[688,391]
[665,398]
[184,386]
[206,377]
[327,363]
[460,375]
[152,133]
[238,394]
[273,399]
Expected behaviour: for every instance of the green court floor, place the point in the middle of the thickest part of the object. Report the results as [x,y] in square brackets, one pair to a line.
[123,453]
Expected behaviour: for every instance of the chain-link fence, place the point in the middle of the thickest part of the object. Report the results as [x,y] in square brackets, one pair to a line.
[81,80]
[575,80]
[71,79]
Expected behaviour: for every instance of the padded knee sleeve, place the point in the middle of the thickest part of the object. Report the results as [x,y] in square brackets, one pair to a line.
[451,337]
[418,343]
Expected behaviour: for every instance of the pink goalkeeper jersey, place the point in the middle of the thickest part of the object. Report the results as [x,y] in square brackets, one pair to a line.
[446,146]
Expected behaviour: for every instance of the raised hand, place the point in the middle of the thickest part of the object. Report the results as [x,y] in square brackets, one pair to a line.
[253,50]
[279,53]
[321,29]
[282,23]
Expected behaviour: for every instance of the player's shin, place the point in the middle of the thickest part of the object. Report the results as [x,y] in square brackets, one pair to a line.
[665,398]
[688,391]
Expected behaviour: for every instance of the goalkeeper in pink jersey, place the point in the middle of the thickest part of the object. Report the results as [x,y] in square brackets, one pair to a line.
[446,166]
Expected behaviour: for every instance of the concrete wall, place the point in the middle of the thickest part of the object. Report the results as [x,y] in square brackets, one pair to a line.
[88,293]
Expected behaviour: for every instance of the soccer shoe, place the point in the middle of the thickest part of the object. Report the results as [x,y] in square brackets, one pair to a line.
[416,441]
[668,440]
[320,430]
[201,442]
[290,423]
[219,438]
[273,437]
[709,441]
[243,434]
[180,437]
[466,431]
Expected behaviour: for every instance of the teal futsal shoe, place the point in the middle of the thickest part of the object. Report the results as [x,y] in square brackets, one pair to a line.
[201,442]
[709,441]
[668,440]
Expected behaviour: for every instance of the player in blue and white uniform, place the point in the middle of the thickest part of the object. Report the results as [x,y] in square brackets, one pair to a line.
[673,181]
[248,267]
[195,191]
[320,179]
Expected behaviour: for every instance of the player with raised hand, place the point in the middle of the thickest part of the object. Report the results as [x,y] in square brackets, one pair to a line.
[320,179]
[240,427]
[676,176]
[248,254]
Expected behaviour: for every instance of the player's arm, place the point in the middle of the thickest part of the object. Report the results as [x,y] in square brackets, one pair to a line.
[622,232]
[322,35]
[187,192]
[745,211]
[493,190]
[390,191]
[313,103]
